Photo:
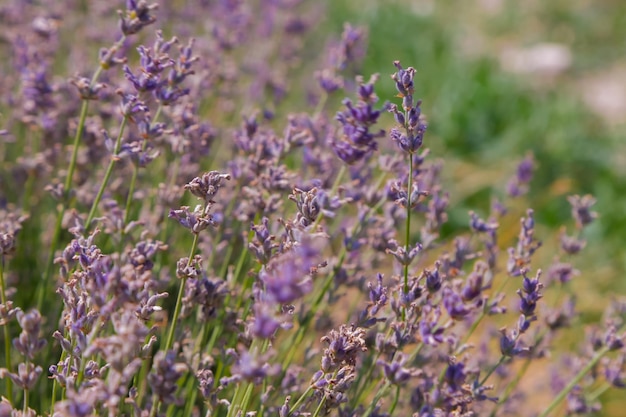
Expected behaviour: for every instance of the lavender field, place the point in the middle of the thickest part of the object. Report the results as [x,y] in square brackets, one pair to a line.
[305,208]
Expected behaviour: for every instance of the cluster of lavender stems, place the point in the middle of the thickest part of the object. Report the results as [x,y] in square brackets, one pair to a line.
[178,239]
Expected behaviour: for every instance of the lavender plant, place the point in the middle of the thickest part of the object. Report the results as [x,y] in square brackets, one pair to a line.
[182,255]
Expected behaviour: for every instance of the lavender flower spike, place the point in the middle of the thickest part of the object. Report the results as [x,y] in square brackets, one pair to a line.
[207,186]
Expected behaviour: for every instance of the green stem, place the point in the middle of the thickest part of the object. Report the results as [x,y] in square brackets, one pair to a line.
[26,401]
[133,180]
[107,175]
[140,378]
[320,104]
[190,387]
[7,336]
[129,198]
[407,234]
[56,235]
[381,392]
[510,387]
[79,133]
[246,397]
[155,406]
[482,315]
[319,407]
[295,345]
[179,300]
[395,401]
[235,402]
[581,374]
[55,385]
[598,392]
[295,406]
[492,370]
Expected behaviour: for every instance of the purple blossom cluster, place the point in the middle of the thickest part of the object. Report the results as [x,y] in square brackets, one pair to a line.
[174,242]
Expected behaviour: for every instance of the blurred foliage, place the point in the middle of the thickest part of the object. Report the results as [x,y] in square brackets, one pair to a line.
[482,119]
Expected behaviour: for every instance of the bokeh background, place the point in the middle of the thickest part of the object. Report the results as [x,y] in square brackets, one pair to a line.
[502,78]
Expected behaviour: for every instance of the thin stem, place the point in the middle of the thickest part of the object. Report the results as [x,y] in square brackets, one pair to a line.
[246,397]
[320,104]
[26,401]
[581,374]
[381,392]
[295,345]
[510,387]
[482,315]
[129,198]
[295,406]
[407,234]
[79,133]
[56,235]
[492,370]
[133,180]
[235,402]
[55,384]
[107,175]
[190,390]
[7,336]
[395,401]
[319,407]
[598,392]
[155,406]
[179,300]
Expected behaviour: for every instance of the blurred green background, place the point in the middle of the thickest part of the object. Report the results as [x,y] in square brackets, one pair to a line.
[500,78]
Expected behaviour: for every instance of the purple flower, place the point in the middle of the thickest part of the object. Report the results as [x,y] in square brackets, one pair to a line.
[357,141]
[431,332]
[520,256]
[433,279]
[410,143]
[131,105]
[265,323]
[518,185]
[137,16]
[343,347]
[571,244]
[508,343]
[454,304]
[455,375]
[478,225]
[26,376]
[252,367]
[329,81]
[395,372]
[287,278]
[264,243]
[10,225]
[581,209]
[529,295]
[474,283]
[166,371]
[196,221]
[562,272]
[29,342]
[411,137]
[207,186]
